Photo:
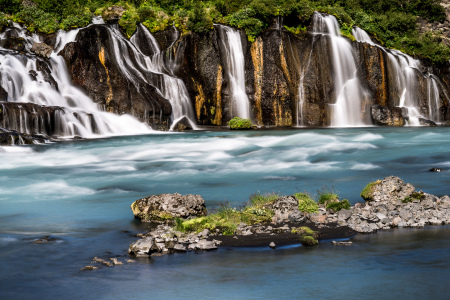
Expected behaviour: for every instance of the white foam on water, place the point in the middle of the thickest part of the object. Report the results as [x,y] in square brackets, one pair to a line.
[367,137]
[362,167]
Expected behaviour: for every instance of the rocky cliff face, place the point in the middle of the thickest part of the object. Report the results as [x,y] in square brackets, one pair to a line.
[105,67]
[289,79]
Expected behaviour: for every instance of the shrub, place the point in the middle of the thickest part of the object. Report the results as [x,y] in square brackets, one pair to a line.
[308,237]
[3,21]
[239,123]
[245,19]
[308,241]
[37,19]
[367,192]
[198,22]
[129,20]
[337,206]
[306,203]
[259,200]
[327,196]
[9,6]
[74,21]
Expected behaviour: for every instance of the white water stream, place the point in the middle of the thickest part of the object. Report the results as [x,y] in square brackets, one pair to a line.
[235,68]
[80,116]
[171,87]
[349,93]
[406,70]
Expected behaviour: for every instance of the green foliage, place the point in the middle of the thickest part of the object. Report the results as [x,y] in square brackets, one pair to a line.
[367,192]
[3,20]
[74,21]
[226,218]
[327,195]
[198,21]
[296,30]
[306,203]
[37,19]
[337,206]
[259,200]
[414,196]
[129,20]
[239,123]
[308,241]
[346,30]
[245,19]
[308,237]
[9,6]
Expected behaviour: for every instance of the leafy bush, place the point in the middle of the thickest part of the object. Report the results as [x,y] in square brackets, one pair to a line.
[259,200]
[129,20]
[3,21]
[74,21]
[239,123]
[9,6]
[308,237]
[37,19]
[245,19]
[198,21]
[306,203]
[327,196]
[337,206]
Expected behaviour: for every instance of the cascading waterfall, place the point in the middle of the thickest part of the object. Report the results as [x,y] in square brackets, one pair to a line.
[405,70]
[235,67]
[171,88]
[79,115]
[349,93]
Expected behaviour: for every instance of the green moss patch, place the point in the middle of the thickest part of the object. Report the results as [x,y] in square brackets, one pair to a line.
[367,192]
[306,203]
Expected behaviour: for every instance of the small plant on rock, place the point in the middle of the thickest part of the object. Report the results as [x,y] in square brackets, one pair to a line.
[306,203]
[337,206]
[308,237]
[367,192]
[327,195]
[238,123]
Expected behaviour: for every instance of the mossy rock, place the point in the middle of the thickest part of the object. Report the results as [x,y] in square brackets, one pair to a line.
[240,124]
[367,192]
[309,241]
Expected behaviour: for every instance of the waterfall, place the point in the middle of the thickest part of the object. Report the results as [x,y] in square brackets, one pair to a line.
[172,88]
[25,82]
[349,94]
[405,70]
[235,68]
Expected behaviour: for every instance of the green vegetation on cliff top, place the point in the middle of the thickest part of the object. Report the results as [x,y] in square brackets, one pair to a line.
[393,23]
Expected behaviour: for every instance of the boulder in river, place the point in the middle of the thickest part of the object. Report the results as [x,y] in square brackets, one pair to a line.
[389,189]
[168,206]
[388,116]
[42,49]
[182,125]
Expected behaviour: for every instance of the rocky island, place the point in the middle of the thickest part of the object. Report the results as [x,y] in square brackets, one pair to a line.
[180,225]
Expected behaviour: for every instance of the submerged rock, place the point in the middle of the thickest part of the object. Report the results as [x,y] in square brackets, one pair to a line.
[435,170]
[168,206]
[425,122]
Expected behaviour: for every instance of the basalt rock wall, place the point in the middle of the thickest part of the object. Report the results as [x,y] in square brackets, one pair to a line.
[289,79]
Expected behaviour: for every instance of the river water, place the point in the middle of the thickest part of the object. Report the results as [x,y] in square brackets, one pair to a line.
[80,192]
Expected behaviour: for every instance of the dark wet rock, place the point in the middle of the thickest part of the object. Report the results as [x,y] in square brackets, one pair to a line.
[388,116]
[13,43]
[93,67]
[113,13]
[425,122]
[182,125]
[42,49]
[435,170]
[168,206]
[283,207]
[31,118]
[12,137]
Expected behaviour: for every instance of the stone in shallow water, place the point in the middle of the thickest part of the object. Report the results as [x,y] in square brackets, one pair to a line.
[272,245]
